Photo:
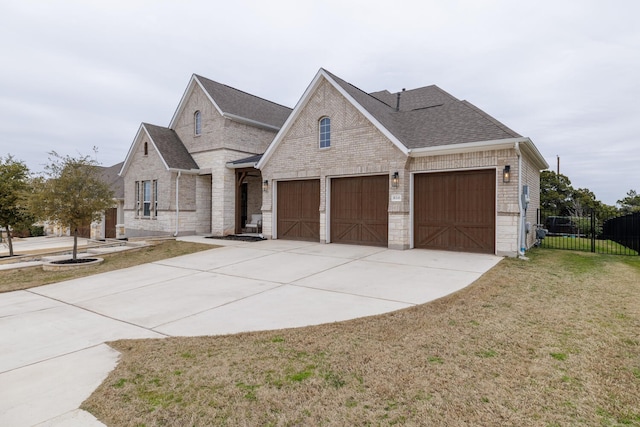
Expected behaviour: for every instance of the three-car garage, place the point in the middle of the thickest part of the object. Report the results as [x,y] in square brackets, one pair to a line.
[450,210]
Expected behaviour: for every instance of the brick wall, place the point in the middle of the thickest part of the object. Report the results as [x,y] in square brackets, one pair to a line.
[217,131]
[149,168]
[357,148]
[222,140]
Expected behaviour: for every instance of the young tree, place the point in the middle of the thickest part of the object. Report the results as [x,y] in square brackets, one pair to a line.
[14,182]
[71,193]
[631,203]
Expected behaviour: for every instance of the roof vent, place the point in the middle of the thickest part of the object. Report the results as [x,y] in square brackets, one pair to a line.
[398,100]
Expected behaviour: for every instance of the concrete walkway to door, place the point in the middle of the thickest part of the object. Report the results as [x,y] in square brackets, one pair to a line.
[52,351]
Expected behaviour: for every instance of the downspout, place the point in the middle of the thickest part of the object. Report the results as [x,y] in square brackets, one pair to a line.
[521,235]
[177,203]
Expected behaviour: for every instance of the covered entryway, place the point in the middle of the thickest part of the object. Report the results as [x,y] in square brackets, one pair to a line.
[455,211]
[360,210]
[298,215]
[248,197]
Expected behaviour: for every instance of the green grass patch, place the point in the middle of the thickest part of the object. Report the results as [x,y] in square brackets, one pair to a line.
[302,375]
[487,353]
[435,360]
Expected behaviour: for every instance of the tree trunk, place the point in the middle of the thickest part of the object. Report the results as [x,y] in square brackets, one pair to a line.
[9,242]
[75,243]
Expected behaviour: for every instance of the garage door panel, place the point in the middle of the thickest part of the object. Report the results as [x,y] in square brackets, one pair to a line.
[455,211]
[359,210]
[298,205]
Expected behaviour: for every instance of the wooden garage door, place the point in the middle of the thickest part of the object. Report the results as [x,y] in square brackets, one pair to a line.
[110,220]
[359,210]
[299,210]
[455,211]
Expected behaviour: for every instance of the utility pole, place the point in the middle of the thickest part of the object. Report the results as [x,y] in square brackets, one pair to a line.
[558,171]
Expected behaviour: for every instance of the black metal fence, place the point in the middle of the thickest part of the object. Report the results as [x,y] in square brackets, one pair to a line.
[618,235]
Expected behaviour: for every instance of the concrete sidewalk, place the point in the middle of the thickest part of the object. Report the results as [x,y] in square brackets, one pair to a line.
[52,351]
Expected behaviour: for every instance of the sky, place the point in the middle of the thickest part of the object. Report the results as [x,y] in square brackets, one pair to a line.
[76,75]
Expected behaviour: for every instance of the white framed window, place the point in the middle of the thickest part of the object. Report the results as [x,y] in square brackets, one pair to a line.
[155,197]
[325,132]
[146,201]
[197,123]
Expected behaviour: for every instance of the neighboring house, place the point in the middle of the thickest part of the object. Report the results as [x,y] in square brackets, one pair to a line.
[414,169]
[113,218]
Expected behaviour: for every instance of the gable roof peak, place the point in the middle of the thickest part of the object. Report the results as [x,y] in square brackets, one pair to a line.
[234,104]
[170,147]
[231,88]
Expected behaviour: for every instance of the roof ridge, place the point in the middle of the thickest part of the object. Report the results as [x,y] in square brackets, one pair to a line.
[242,91]
[357,88]
[157,126]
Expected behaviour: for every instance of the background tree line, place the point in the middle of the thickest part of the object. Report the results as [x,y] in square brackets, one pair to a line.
[558,196]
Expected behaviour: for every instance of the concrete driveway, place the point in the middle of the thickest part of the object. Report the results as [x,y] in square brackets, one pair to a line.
[52,351]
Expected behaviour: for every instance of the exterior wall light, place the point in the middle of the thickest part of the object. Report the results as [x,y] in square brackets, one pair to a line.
[265,185]
[506,174]
[395,180]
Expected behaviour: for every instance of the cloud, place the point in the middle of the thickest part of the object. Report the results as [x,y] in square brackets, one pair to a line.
[80,74]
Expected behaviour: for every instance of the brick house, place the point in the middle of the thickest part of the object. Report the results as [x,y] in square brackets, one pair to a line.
[176,181]
[414,169]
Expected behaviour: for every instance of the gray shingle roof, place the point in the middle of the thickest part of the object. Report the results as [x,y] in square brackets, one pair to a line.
[428,116]
[242,104]
[171,148]
[109,174]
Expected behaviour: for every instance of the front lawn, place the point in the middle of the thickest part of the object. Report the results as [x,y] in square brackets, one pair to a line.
[554,341]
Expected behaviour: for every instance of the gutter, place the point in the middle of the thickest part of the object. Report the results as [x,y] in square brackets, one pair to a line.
[177,203]
[245,120]
[466,147]
[521,231]
[231,165]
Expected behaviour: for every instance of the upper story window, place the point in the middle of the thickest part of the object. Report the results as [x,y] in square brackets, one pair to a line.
[325,132]
[146,148]
[197,123]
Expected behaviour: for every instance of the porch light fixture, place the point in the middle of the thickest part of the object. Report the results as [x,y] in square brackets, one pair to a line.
[265,185]
[395,180]
[506,174]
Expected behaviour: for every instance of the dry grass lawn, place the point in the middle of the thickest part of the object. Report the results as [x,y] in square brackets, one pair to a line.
[14,280]
[550,342]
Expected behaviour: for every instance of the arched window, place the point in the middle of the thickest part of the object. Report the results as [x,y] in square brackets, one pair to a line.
[146,148]
[197,123]
[325,132]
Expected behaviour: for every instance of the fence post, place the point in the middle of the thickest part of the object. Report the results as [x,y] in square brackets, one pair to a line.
[593,230]
[636,227]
